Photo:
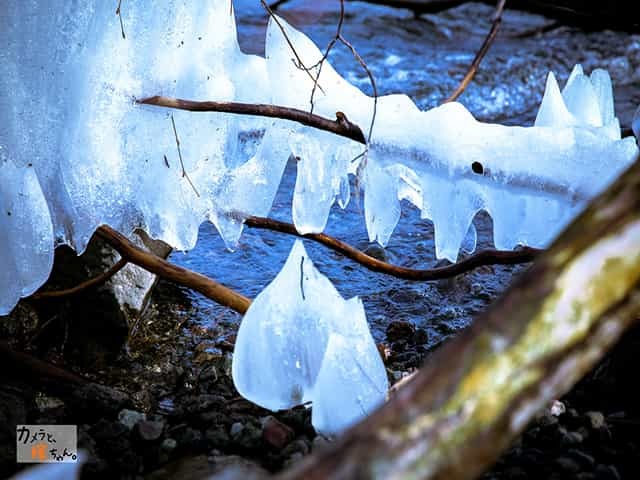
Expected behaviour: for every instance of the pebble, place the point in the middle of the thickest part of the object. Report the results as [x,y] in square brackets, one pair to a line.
[129,418]
[400,330]
[276,433]
[557,408]
[567,464]
[596,420]
[149,431]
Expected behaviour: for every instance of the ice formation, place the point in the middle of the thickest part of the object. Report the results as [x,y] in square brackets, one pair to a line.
[76,151]
[300,341]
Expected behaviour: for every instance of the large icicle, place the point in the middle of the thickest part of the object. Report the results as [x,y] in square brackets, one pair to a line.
[291,341]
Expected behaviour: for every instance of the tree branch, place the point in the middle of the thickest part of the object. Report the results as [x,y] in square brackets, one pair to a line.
[81,287]
[486,257]
[488,41]
[340,126]
[195,281]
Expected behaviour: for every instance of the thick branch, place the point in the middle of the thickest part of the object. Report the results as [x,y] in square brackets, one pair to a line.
[81,287]
[486,257]
[481,389]
[340,126]
[195,281]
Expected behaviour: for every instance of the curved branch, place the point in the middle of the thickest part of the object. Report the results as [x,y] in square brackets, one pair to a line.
[473,68]
[340,126]
[195,281]
[81,287]
[485,257]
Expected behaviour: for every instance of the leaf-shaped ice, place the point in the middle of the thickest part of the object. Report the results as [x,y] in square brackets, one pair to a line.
[283,343]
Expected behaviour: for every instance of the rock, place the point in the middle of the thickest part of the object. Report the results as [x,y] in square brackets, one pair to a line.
[217,437]
[129,418]
[572,438]
[596,420]
[607,472]
[400,330]
[112,307]
[236,429]
[376,251]
[168,445]
[276,433]
[567,464]
[319,442]
[420,337]
[149,430]
[299,445]
[585,460]
[557,408]
[247,435]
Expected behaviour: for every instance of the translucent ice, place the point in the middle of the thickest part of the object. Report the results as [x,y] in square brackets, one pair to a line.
[26,234]
[295,333]
[80,152]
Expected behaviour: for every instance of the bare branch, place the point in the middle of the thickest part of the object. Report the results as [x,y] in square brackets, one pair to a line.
[184,172]
[488,41]
[119,14]
[485,257]
[341,126]
[92,282]
[154,264]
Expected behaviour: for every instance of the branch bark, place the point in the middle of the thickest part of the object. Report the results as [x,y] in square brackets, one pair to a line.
[480,390]
[484,48]
[340,126]
[486,257]
[195,281]
[92,282]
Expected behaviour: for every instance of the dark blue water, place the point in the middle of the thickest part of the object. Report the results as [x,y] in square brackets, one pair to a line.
[424,58]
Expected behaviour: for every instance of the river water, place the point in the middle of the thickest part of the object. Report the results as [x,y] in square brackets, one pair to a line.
[424,58]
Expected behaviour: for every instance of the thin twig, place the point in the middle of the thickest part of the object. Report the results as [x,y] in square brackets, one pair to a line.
[277,4]
[357,56]
[119,14]
[479,259]
[184,172]
[473,68]
[342,127]
[300,63]
[92,282]
[154,264]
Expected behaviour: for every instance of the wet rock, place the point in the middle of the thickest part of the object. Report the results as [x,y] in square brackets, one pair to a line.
[376,251]
[567,465]
[276,433]
[232,467]
[300,445]
[217,437]
[596,420]
[93,401]
[557,408]
[319,442]
[420,337]
[149,430]
[607,472]
[515,473]
[400,330]
[129,418]
[189,439]
[247,435]
[585,460]
[112,307]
